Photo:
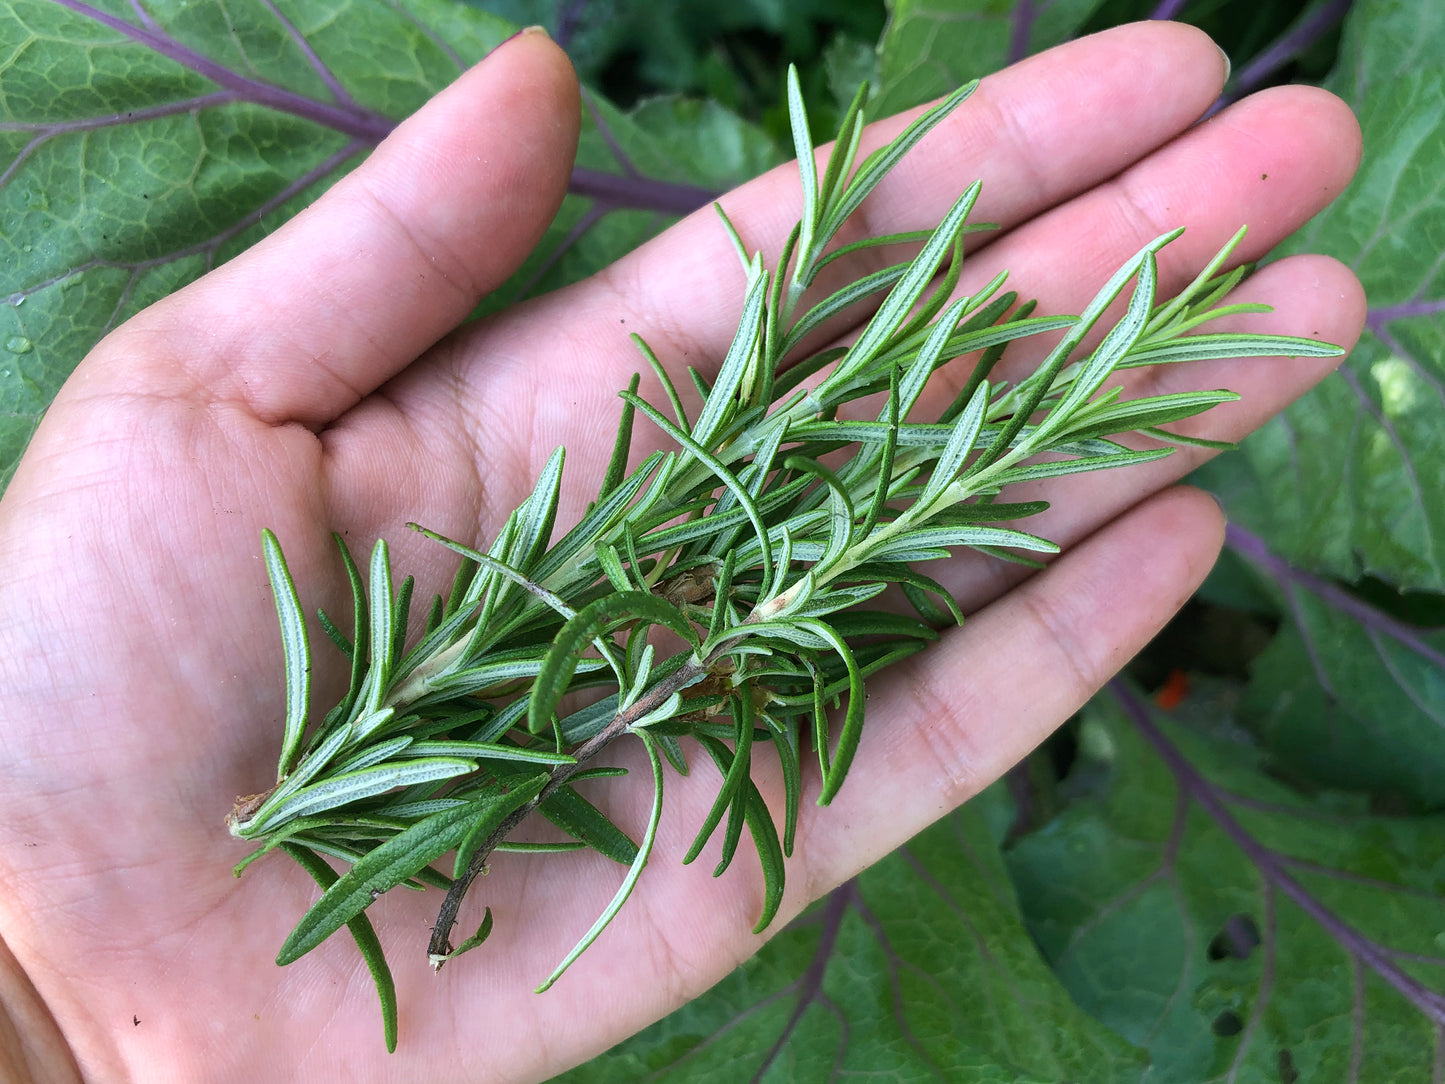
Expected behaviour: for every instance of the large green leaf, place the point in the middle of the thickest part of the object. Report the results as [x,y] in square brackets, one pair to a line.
[1347,694]
[136,153]
[919,970]
[1350,480]
[1239,930]
[933,46]
[142,145]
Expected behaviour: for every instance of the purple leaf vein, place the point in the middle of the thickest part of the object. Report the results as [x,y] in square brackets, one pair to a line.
[1362,950]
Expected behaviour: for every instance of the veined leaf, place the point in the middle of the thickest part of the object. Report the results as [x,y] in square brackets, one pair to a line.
[918,970]
[928,48]
[1346,693]
[1303,929]
[1348,480]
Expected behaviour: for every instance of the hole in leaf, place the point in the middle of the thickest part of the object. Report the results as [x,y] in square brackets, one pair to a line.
[1288,1074]
[1236,939]
[1227,1023]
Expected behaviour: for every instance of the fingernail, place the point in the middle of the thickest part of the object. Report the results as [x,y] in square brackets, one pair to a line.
[1228,67]
[524,32]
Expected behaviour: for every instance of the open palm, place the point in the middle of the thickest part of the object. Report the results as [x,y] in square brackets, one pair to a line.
[315,384]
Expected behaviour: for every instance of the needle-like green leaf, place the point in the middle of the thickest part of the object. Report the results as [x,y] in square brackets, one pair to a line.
[621,607]
[582,820]
[644,851]
[296,648]
[365,937]
[393,861]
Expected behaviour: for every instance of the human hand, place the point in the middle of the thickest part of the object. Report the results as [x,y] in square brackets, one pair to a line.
[306,386]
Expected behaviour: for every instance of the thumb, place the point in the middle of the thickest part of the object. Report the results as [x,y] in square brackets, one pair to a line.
[351,290]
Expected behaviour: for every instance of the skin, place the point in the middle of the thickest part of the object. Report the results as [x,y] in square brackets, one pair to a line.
[316,383]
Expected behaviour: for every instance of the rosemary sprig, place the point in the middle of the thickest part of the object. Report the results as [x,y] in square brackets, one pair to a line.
[756,542]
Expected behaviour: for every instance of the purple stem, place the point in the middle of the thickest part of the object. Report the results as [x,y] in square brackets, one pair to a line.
[1361,949]
[1253,548]
[1288,46]
[350,120]
[1377,323]
[1023,24]
[810,983]
[142,14]
[364,125]
[1378,317]
[608,138]
[1169,9]
[568,20]
[328,77]
[640,193]
[85,124]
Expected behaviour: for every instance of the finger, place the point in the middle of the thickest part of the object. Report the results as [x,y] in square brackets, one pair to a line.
[1269,163]
[395,255]
[1315,296]
[944,724]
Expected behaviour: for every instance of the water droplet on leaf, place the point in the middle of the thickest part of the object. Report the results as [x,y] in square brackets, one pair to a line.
[19,344]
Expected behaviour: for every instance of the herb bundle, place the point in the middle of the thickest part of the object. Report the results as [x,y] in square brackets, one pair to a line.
[753,547]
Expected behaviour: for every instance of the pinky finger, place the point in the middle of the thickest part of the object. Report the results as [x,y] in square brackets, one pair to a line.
[946,723]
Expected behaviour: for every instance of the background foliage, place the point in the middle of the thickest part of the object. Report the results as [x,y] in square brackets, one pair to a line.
[1248,886]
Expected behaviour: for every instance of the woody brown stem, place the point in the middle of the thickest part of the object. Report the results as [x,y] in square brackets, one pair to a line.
[688,674]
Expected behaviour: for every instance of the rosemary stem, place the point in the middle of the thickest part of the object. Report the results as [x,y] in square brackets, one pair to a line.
[688,674]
